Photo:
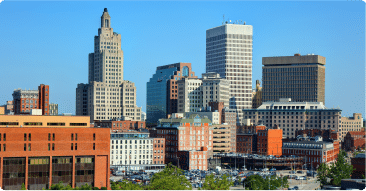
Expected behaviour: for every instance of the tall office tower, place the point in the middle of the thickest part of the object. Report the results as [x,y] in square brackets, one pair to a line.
[107,96]
[229,53]
[299,77]
[162,90]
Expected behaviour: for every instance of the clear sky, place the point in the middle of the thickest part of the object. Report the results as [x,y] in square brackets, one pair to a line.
[49,42]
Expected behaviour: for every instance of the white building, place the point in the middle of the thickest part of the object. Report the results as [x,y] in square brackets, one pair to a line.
[189,95]
[292,116]
[131,148]
[229,53]
[107,96]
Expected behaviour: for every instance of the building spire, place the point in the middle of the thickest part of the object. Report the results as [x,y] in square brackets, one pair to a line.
[105,19]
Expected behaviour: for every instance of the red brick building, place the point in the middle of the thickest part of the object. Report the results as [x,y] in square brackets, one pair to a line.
[26,100]
[121,126]
[159,151]
[325,133]
[354,140]
[50,149]
[315,150]
[269,142]
[190,134]
[358,164]
[246,139]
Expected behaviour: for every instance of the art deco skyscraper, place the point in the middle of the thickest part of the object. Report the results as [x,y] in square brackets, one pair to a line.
[107,96]
[229,53]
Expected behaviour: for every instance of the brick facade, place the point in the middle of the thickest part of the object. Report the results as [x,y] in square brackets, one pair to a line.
[159,151]
[354,140]
[44,156]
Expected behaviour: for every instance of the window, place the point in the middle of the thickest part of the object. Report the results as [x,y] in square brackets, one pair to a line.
[93,136]
[29,137]
[25,146]
[76,146]
[72,136]
[53,136]
[4,138]
[53,146]
[76,136]
[49,136]
[72,146]
[93,146]
[49,146]
[29,147]
[25,136]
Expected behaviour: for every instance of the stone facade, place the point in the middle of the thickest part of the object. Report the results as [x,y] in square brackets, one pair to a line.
[292,116]
[299,77]
[107,96]
[354,123]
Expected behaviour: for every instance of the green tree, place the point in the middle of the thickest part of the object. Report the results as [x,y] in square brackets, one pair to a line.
[212,183]
[23,187]
[171,178]
[323,173]
[86,187]
[254,182]
[126,185]
[340,170]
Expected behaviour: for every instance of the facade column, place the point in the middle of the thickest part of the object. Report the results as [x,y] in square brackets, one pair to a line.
[1,172]
[26,172]
[73,171]
[50,174]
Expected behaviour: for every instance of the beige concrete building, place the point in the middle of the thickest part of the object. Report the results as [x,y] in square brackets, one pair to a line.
[189,95]
[221,138]
[215,89]
[292,116]
[354,123]
[107,96]
[299,77]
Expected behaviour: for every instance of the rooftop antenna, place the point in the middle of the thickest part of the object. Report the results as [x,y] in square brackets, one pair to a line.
[223,19]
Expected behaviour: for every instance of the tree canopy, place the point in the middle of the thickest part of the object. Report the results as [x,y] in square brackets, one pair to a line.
[256,182]
[336,172]
[171,178]
[126,185]
[212,183]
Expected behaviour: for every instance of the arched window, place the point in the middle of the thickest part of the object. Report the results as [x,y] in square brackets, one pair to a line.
[106,23]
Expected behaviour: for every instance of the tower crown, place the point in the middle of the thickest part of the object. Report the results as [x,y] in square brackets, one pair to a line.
[105,19]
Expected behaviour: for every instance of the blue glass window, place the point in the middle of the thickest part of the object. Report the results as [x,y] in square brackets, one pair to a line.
[185,71]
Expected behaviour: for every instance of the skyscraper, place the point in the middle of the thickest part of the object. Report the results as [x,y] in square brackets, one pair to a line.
[162,90]
[229,53]
[107,96]
[299,77]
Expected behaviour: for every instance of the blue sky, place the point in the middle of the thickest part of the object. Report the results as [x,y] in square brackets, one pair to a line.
[49,42]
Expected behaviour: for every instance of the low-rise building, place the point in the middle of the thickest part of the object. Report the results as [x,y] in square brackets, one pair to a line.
[354,140]
[358,164]
[354,123]
[39,151]
[269,142]
[246,141]
[136,151]
[221,138]
[315,150]
[25,100]
[121,125]
[187,134]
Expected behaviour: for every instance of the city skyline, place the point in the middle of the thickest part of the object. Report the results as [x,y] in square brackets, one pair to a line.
[51,42]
